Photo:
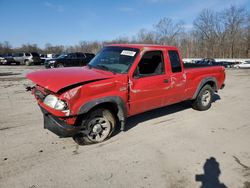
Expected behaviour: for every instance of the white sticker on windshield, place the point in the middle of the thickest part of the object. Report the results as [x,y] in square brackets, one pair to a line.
[128,53]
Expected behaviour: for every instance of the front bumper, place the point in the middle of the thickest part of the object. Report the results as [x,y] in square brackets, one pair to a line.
[49,65]
[57,126]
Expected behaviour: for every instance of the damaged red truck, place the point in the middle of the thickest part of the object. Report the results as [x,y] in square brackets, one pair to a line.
[89,102]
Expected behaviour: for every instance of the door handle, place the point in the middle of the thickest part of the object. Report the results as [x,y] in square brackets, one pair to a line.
[166,81]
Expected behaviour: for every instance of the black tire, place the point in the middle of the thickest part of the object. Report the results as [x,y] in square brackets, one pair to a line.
[99,125]
[204,99]
[60,65]
[27,62]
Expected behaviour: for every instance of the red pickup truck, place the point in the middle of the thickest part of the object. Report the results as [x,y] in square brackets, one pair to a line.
[88,103]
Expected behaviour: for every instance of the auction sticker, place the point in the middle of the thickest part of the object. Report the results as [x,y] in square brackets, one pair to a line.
[128,53]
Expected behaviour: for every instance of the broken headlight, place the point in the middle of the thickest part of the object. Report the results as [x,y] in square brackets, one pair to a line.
[53,102]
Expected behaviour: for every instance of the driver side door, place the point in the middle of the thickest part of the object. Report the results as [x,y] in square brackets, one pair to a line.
[147,87]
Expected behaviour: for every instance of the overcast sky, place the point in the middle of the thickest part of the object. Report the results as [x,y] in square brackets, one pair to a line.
[67,22]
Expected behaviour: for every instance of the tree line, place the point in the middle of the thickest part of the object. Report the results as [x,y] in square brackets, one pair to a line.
[215,34]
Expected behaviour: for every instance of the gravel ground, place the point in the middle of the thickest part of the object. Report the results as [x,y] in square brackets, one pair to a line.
[174,146]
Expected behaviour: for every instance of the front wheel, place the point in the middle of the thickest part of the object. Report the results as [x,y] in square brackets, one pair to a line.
[99,125]
[204,99]
[60,65]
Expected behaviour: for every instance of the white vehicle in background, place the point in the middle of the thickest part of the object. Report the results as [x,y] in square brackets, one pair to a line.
[25,58]
[2,60]
[45,57]
[244,65]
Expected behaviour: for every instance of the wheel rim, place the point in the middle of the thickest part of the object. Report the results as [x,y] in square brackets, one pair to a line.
[99,129]
[205,98]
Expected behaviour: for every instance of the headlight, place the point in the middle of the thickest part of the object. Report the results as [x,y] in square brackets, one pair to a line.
[53,102]
[3,60]
[53,61]
[60,105]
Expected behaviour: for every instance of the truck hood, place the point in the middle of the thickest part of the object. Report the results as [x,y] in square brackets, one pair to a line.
[57,79]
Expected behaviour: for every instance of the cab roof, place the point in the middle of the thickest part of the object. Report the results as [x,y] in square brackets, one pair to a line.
[141,46]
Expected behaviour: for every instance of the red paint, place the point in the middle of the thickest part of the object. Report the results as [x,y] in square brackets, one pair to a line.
[139,95]
[55,79]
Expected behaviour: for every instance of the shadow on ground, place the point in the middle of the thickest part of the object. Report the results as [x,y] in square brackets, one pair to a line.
[210,178]
[8,73]
[135,120]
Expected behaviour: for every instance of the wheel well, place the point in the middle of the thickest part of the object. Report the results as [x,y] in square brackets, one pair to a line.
[210,81]
[107,105]
[212,84]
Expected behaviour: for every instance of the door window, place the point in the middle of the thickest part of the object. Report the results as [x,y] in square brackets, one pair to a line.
[151,63]
[175,61]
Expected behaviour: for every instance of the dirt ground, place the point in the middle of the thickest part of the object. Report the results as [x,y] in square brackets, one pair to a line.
[174,146]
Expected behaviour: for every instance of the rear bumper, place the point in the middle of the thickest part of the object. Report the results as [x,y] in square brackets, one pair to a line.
[57,126]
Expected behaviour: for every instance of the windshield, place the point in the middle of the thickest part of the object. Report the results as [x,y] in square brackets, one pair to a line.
[62,56]
[114,59]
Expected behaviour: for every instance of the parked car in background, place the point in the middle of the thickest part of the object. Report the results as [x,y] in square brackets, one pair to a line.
[3,61]
[26,58]
[206,61]
[8,60]
[244,65]
[55,55]
[69,60]
[227,64]
[45,57]
[212,62]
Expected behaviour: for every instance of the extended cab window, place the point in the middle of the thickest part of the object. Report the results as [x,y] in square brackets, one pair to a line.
[175,61]
[151,63]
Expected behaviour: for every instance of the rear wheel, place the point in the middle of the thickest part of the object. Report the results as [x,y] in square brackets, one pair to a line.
[60,65]
[204,99]
[27,62]
[99,125]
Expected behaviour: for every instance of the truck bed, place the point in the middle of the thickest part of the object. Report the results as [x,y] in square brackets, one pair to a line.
[193,65]
[196,73]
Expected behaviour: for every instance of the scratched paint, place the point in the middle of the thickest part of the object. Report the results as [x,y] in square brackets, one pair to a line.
[71,93]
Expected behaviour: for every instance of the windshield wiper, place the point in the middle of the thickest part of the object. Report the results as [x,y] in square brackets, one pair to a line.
[103,67]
